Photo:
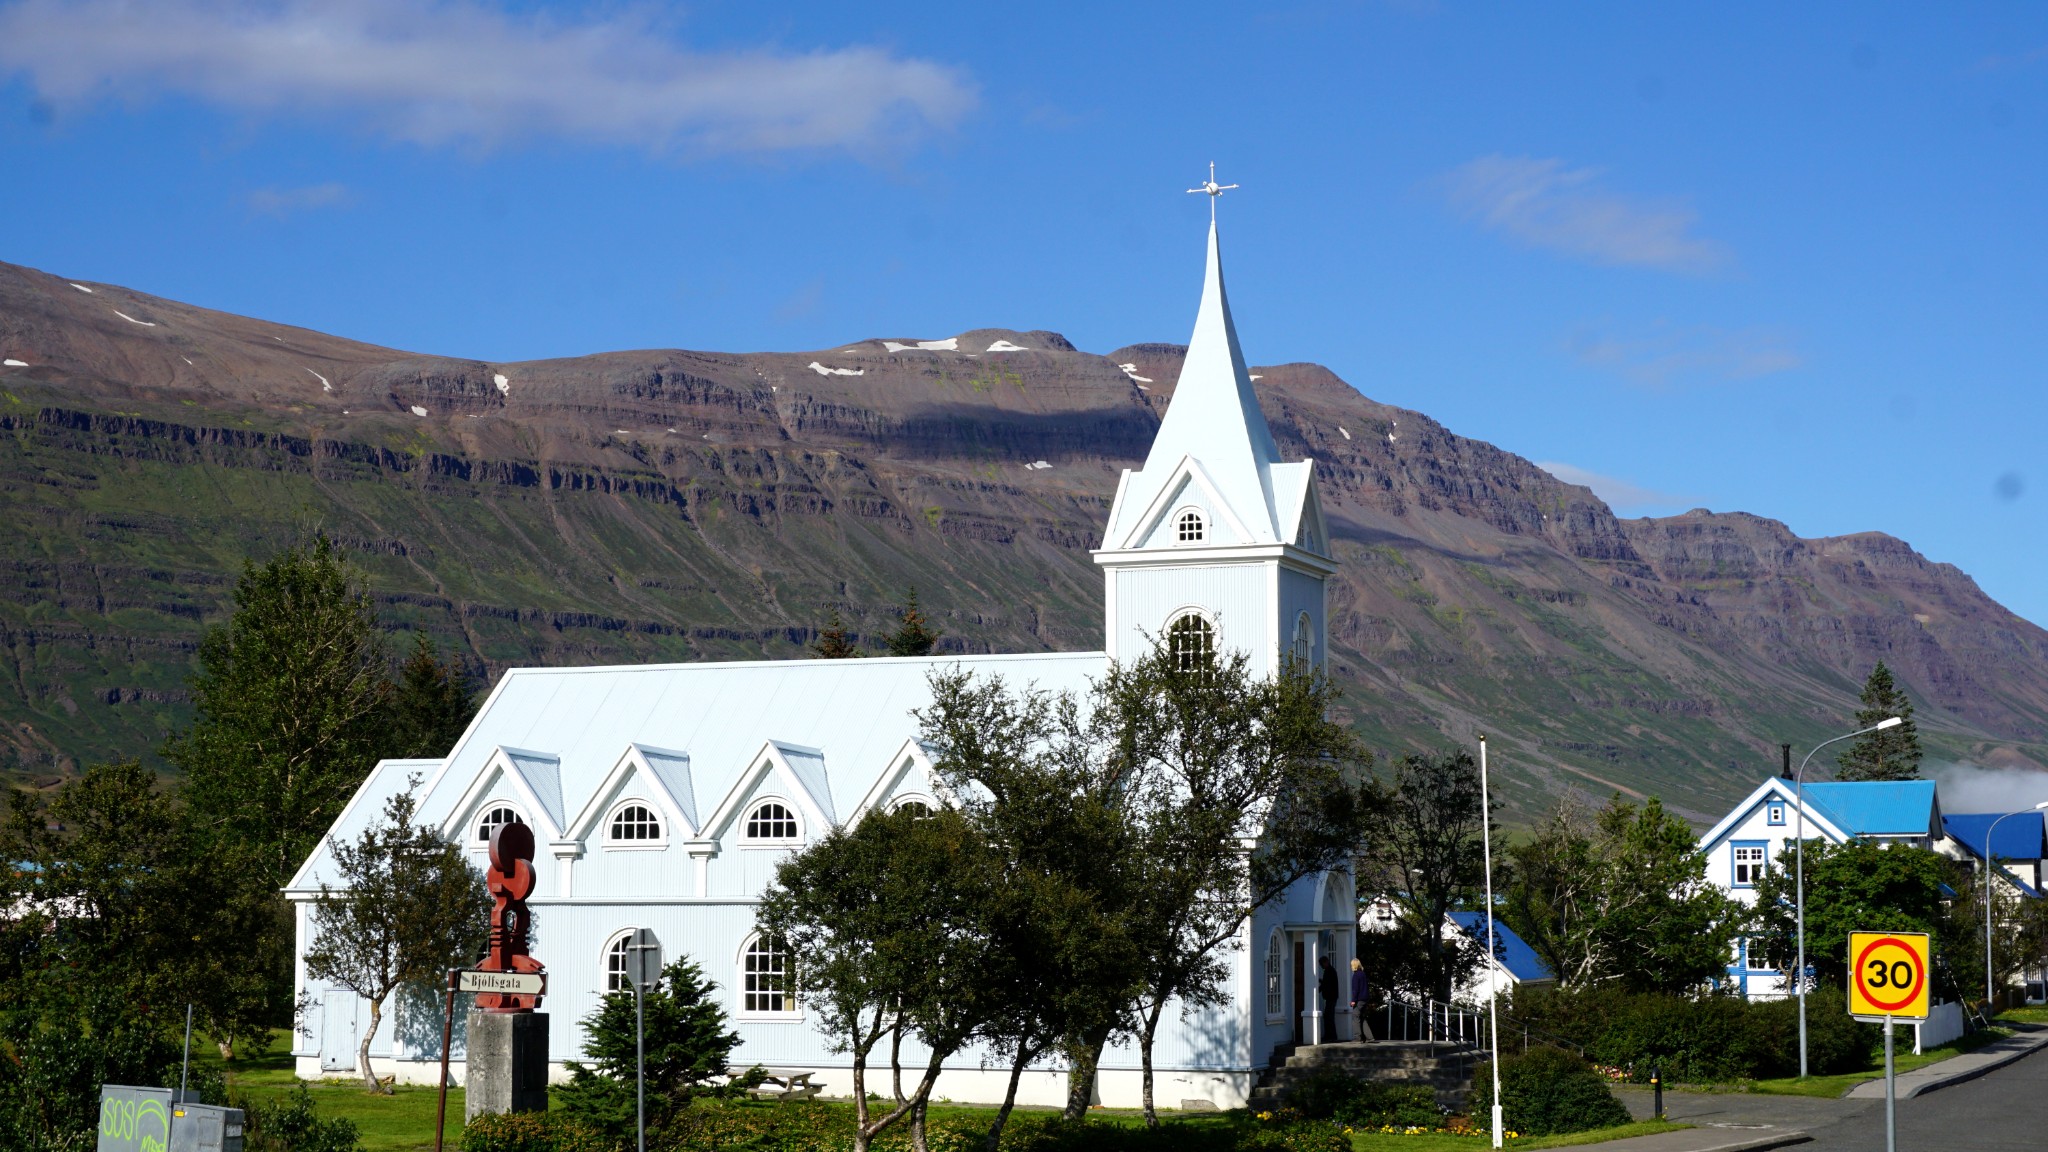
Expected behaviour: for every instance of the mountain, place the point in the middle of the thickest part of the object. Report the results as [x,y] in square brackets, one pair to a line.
[676,505]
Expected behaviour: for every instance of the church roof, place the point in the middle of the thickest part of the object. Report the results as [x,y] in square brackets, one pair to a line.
[704,729]
[1214,420]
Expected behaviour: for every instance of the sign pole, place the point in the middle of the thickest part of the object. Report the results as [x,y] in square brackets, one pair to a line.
[447,1039]
[640,1064]
[1891,1093]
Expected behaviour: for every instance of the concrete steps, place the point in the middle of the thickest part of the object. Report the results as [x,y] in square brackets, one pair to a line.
[1444,1068]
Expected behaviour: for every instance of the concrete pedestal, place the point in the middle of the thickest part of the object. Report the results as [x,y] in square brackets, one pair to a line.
[506,1065]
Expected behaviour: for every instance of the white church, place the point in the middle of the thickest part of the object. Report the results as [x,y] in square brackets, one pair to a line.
[662,796]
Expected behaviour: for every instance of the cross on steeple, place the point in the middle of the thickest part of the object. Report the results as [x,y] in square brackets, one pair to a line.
[1213,189]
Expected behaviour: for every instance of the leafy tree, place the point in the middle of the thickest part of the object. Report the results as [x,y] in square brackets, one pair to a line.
[1429,856]
[887,923]
[1215,759]
[1620,899]
[293,709]
[1861,887]
[432,705]
[687,1044]
[914,636]
[1031,774]
[410,907]
[834,642]
[1893,754]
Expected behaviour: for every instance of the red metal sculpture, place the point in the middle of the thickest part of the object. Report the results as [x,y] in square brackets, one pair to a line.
[510,880]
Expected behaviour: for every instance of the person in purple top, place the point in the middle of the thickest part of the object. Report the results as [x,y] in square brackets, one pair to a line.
[1359,991]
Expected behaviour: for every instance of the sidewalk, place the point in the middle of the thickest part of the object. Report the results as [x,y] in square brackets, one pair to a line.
[1706,1140]
[1955,1069]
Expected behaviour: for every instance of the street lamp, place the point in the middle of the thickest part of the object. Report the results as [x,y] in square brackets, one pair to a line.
[1799,869]
[1492,978]
[1987,893]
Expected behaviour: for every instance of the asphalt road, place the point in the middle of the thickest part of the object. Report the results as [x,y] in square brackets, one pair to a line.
[2002,1111]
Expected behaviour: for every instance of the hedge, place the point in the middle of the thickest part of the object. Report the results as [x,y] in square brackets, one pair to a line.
[1546,1092]
[1710,1039]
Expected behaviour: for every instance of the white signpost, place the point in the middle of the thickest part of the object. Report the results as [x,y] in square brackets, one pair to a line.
[515,983]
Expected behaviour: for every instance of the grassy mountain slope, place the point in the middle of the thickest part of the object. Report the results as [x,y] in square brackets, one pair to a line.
[672,505]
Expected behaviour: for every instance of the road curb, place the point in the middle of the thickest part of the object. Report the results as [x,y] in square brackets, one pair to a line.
[1911,1083]
[1704,1140]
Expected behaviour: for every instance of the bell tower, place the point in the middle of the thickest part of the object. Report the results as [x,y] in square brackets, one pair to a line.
[1216,541]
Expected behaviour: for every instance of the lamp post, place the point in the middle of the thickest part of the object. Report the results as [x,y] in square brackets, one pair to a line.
[1492,980]
[1987,892]
[1799,869]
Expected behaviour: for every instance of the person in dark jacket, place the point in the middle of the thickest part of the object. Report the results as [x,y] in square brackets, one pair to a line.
[1326,989]
[1361,990]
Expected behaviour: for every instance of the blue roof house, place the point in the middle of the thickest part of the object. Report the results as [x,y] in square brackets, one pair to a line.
[1514,963]
[1747,842]
[2017,846]
[663,796]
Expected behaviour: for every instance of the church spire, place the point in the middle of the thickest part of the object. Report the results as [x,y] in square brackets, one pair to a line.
[1214,415]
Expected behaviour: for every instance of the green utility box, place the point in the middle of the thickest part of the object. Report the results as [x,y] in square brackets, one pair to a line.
[155,1120]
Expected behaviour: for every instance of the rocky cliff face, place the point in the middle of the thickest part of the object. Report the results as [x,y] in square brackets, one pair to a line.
[674,505]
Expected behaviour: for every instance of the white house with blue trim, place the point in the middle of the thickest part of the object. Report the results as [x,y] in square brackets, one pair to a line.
[663,796]
[1749,839]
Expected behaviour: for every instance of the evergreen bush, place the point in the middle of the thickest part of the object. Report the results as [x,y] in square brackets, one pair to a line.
[531,1132]
[1547,1092]
[1709,1039]
[1333,1094]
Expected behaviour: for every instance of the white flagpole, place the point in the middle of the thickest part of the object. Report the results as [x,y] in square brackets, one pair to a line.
[1492,978]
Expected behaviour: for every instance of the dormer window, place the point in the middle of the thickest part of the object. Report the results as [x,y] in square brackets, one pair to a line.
[634,823]
[1190,527]
[499,814]
[1774,813]
[771,821]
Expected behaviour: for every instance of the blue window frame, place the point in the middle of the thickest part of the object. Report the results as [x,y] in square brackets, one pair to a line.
[1774,812]
[1747,860]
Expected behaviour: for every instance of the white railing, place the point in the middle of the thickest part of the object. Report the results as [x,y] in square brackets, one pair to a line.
[1434,1021]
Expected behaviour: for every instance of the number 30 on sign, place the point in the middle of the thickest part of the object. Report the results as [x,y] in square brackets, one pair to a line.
[1888,975]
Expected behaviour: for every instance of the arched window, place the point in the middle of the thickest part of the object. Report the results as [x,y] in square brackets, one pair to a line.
[914,806]
[764,976]
[634,822]
[615,963]
[1304,639]
[1190,528]
[501,814]
[771,821]
[1273,961]
[1190,641]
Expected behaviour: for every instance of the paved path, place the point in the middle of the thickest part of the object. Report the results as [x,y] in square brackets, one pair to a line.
[1998,1103]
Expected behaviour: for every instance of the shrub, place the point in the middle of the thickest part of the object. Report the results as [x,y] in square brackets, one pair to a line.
[291,1125]
[531,1132]
[1333,1094]
[1547,1092]
[1701,1040]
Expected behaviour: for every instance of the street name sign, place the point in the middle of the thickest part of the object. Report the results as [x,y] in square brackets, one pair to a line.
[513,983]
[1888,975]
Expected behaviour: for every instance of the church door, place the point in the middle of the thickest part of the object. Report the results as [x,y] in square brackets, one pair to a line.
[1300,987]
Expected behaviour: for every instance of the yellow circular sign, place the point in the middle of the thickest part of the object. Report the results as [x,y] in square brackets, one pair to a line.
[1888,974]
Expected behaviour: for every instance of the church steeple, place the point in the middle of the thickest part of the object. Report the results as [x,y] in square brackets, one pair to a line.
[1215,533]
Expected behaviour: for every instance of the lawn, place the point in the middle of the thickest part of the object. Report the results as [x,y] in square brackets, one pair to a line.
[1840,1084]
[2035,1015]
[404,1120]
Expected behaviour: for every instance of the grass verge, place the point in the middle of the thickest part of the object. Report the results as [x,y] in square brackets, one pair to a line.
[400,1122]
[1840,1083]
[1383,1142]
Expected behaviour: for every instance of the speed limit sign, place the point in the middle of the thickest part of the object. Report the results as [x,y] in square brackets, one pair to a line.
[1888,975]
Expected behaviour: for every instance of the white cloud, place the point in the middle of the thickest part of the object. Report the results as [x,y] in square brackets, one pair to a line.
[1618,493]
[1667,356]
[1544,204]
[1970,788]
[282,202]
[468,72]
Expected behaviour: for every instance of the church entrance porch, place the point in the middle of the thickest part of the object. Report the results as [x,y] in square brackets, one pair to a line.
[1317,1021]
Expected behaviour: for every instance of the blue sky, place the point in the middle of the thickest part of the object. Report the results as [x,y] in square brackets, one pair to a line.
[1788,260]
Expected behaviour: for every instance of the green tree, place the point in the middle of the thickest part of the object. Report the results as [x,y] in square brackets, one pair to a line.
[833,642]
[1861,886]
[432,704]
[293,705]
[914,636]
[1620,899]
[687,1042]
[1893,754]
[1033,777]
[409,907]
[1428,855]
[1214,759]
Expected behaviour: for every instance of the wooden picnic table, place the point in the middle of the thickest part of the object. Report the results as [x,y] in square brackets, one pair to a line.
[785,1084]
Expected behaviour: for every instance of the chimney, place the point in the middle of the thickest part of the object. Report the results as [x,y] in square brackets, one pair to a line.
[1786,749]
